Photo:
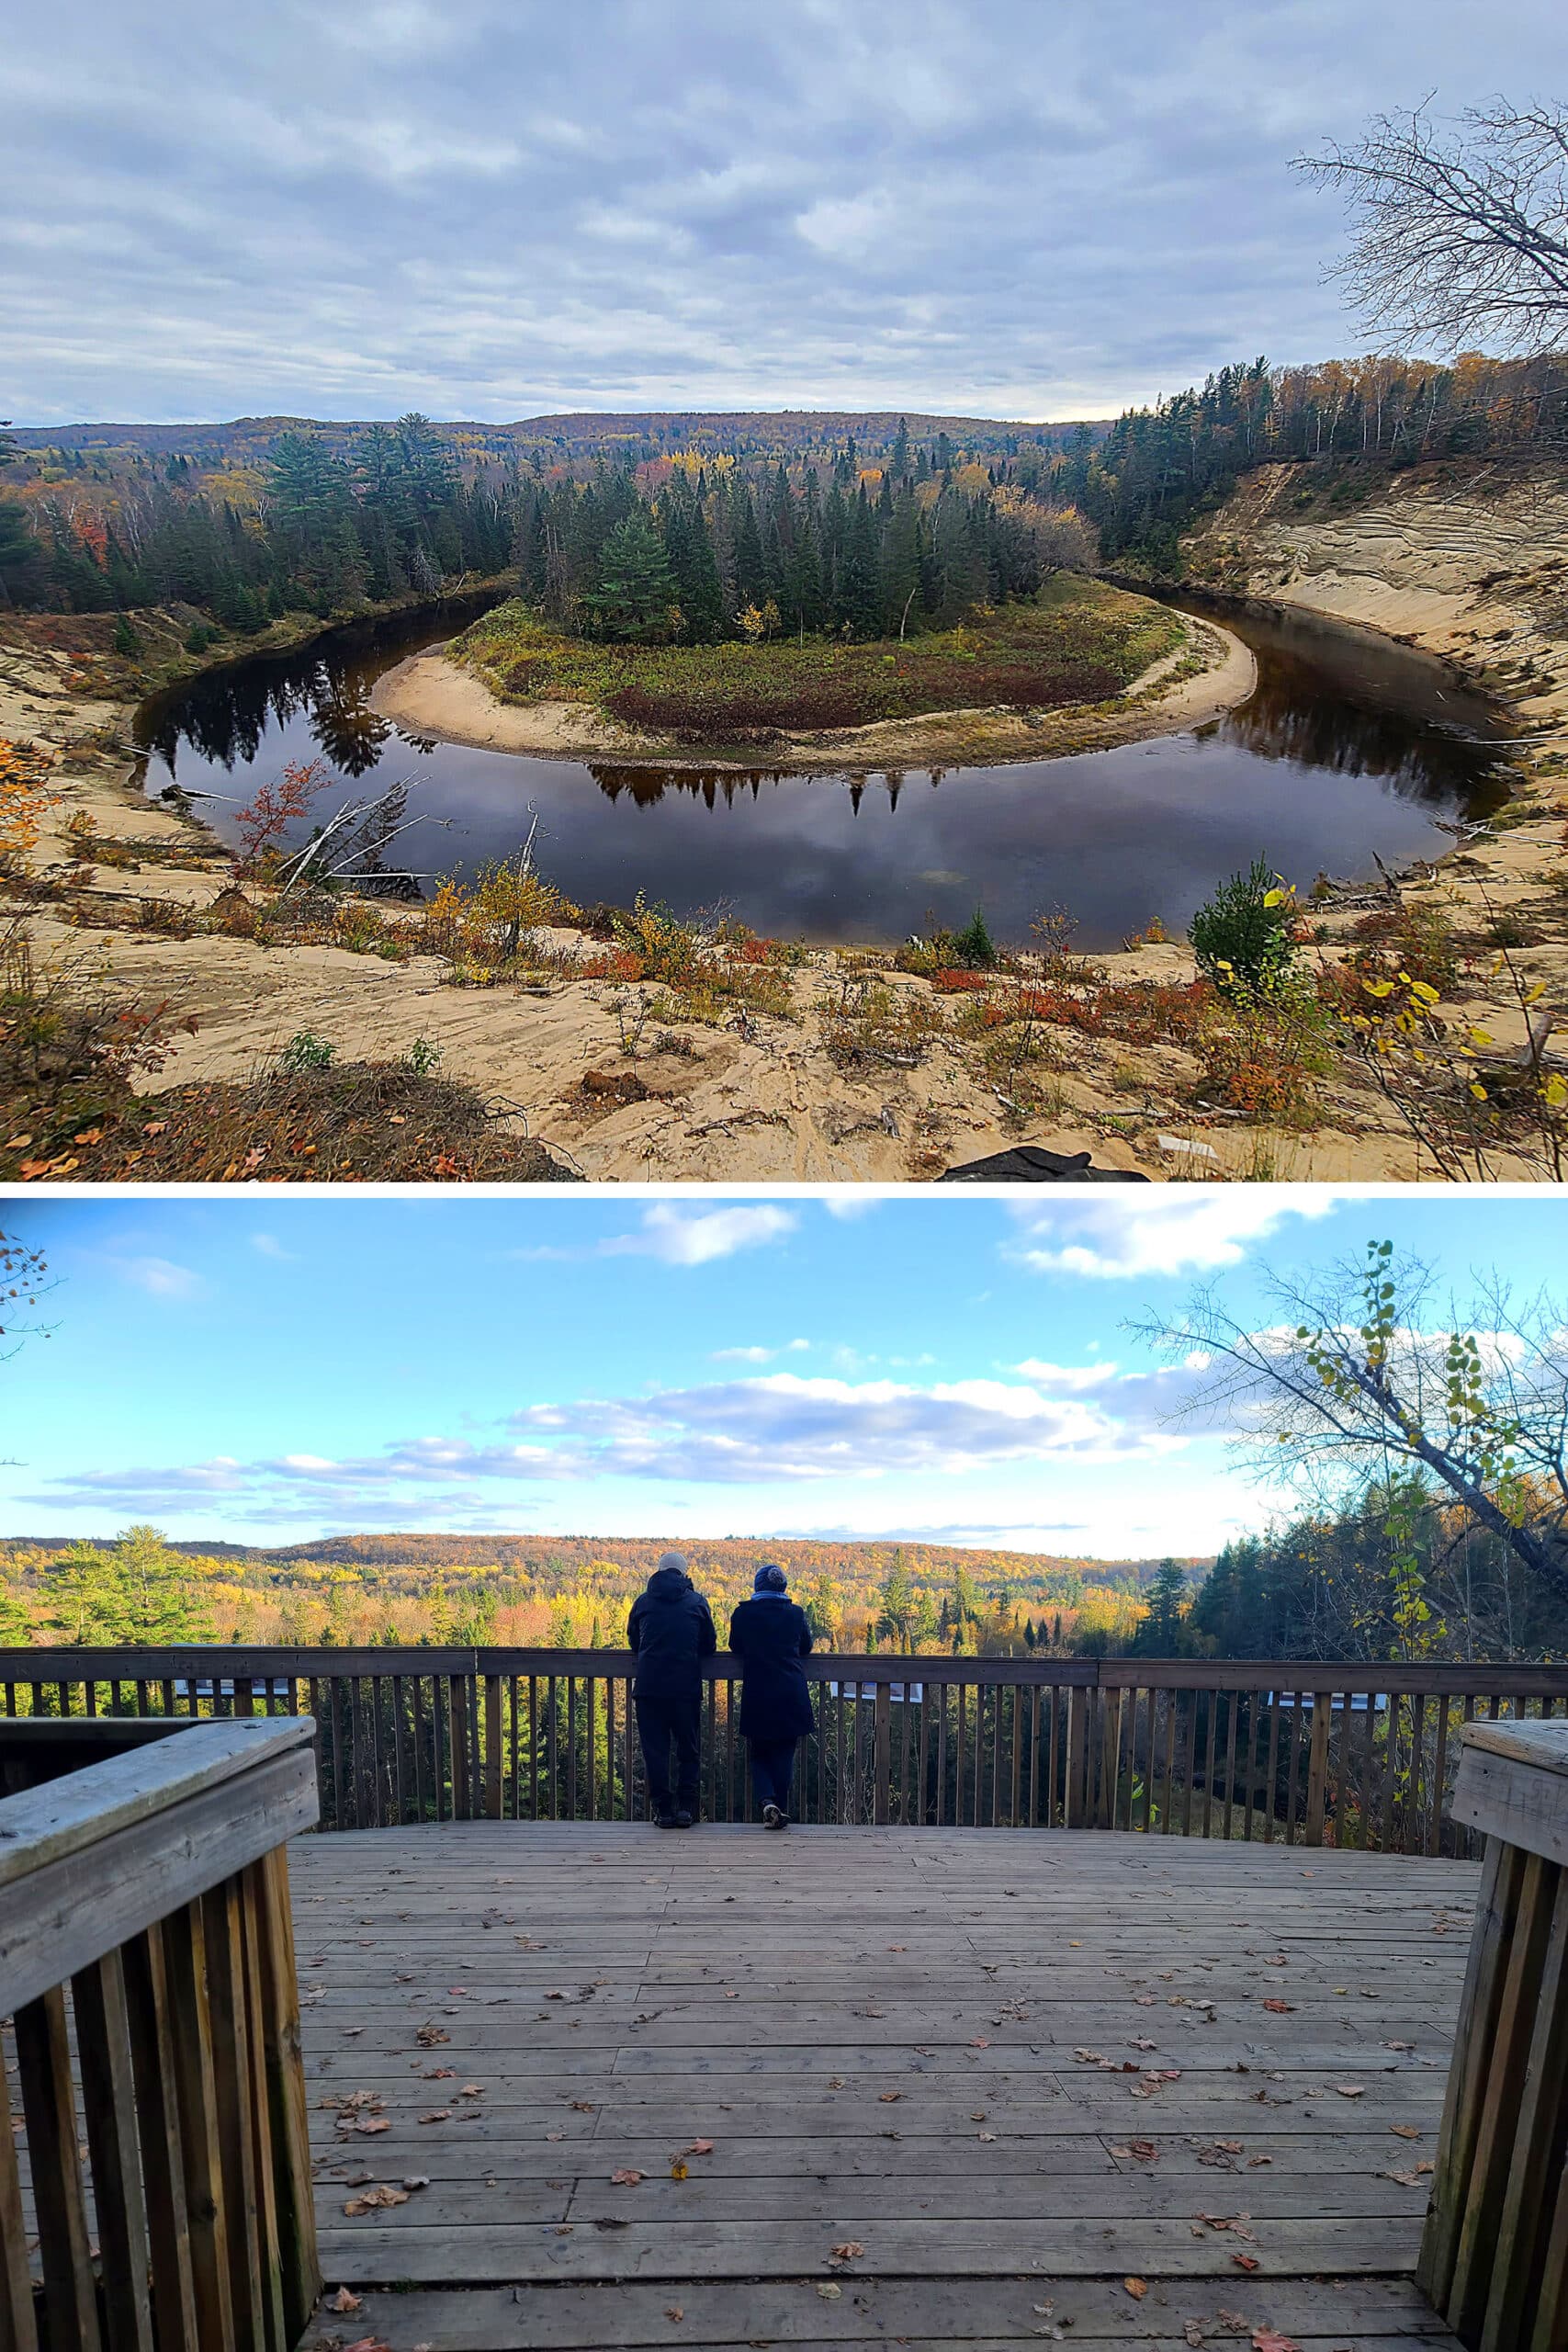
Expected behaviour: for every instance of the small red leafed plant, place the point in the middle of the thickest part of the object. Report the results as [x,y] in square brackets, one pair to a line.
[953,981]
[263,824]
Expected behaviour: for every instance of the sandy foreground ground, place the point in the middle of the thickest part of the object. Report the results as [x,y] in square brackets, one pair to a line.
[763,1103]
[436,696]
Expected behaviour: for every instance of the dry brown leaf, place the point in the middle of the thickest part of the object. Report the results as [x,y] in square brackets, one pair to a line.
[428,2036]
[442,2115]
[1281,2008]
[343,2302]
[1191,2333]
[625,2179]
[1268,2339]
[829,2292]
[678,2168]
[849,2251]
[366,2344]
[674,2312]
[373,2199]
[1136,2287]
[697,2148]
[1405,2130]
[1246,2261]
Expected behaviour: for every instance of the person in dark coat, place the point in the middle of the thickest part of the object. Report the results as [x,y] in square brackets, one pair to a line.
[769,1634]
[670,1631]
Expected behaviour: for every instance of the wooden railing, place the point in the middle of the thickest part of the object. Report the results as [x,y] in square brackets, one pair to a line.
[146,1971]
[1494,2254]
[1298,1751]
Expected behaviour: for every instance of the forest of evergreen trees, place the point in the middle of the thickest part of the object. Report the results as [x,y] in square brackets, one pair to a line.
[894,533]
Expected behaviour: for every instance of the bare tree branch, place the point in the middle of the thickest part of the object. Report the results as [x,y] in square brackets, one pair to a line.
[1460,234]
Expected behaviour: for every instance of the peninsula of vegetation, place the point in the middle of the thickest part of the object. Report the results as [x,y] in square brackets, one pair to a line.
[174,1007]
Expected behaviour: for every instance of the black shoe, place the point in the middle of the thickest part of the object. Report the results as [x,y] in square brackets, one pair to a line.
[682,1819]
[664,1821]
[773,1819]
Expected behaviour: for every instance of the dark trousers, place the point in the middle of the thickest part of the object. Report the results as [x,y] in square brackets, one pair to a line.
[660,1721]
[773,1768]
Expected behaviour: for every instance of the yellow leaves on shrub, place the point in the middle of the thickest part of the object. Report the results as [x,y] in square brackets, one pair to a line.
[24,798]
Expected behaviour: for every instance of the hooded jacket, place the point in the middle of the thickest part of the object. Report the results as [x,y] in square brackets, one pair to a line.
[770,1635]
[670,1631]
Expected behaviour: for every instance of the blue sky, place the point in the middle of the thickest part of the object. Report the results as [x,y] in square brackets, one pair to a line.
[348,208]
[275,1367]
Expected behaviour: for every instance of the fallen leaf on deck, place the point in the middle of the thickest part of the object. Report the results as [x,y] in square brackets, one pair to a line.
[705,2147]
[1246,2261]
[366,2344]
[444,2115]
[1281,2008]
[1405,2130]
[1136,2287]
[1191,2333]
[1351,2090]
[416,2180]
[985,2136]
[830,2294]
[1145,2150]
[374,2198]
[887,2097]
[343,2302]
[1268,2339]
[625,2179]
[470,2090]
[1405,2180]
[979,2042]
[429,2035]
[673,2311]
[849,2251]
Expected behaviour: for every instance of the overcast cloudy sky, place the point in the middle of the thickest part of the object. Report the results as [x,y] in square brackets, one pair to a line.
[282,1366]
[1026,207]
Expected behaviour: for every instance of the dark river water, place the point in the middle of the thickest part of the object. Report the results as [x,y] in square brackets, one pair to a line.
[1350,746]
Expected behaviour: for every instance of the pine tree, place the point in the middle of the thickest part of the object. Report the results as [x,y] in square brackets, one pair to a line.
[154,1599]
[634,599]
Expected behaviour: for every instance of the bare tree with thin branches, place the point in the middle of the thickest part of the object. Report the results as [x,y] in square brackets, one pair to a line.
[1460,228]
[1356,1380]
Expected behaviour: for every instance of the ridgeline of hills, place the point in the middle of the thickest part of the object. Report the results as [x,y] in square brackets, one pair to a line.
[635,433]
[725,1557]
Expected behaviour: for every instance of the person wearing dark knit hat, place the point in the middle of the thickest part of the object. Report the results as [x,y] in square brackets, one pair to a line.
[771,1635]
[672,1630]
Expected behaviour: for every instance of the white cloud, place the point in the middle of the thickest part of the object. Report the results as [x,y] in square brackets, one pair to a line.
[781,1428]
[1172,1231]
[686,1238]
[268,1245]
[762,1355]
[161,1278]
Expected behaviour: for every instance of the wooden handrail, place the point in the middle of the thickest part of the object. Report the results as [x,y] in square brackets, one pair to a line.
[204,1661]
[1309,1751]
[147,1960]
[1494,2252]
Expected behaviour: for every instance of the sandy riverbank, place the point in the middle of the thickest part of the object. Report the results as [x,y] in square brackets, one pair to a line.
[434,696]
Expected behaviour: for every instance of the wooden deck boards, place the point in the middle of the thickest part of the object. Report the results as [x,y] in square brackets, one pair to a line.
[1014,2069]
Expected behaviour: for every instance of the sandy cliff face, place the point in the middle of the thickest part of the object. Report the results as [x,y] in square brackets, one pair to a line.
[1469,560]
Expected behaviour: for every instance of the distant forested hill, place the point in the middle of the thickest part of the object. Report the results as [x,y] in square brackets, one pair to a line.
[634,433]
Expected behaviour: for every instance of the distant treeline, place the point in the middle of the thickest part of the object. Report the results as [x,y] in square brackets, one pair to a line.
[692,530]
[1400,1574]
[834,540]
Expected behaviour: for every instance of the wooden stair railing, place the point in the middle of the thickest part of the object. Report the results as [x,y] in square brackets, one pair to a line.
[147,1968]
[1495,2253]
